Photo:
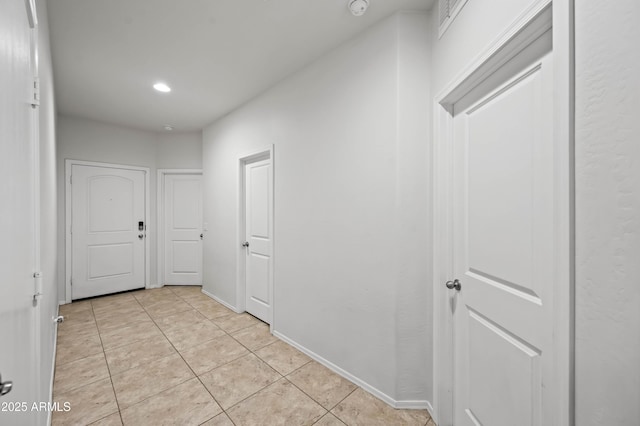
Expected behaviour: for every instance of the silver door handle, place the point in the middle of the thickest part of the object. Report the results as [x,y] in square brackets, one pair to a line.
[245,244]
[453,284]
[5,387]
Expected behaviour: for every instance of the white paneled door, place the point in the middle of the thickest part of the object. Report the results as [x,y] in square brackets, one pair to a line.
[503,253]
[20,335]
[183,229]
[108,230]
[258,241]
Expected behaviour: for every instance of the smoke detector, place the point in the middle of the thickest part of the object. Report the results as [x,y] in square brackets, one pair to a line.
[358,7]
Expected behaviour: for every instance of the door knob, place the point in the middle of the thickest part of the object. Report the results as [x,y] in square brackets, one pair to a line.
[453,284]
[140,236]
[202,236]
[5,387]
[245,244]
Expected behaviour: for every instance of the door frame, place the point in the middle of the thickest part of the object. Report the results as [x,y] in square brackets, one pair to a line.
[160,183]
[241,282]
[68,164]
[541,16]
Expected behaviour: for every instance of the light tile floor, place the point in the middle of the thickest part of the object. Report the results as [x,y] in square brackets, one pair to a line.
[173,356]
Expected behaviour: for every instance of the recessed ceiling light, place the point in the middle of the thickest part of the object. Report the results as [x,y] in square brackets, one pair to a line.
[167,127]
[161,87]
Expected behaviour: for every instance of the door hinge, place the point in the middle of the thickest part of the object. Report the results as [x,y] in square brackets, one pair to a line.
[37,277]
[35,100]
[71,281]
[70,179]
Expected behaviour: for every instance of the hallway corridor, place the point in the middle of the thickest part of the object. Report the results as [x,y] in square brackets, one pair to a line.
[174,356]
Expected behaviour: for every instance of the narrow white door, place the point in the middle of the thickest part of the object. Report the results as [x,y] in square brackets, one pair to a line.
[19,334]
[108,230]
[258,242]
[504,253]
[183,229]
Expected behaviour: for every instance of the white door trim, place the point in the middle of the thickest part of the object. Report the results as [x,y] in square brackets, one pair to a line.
[68,164]
[240,232]
[160,184]
[538,18]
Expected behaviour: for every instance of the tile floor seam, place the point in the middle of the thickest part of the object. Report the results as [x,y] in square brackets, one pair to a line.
[153,396]
[341,401]
[200,344]
[312,398]
[80,359]
[119,373]
[189,367]
[104,354]
[112,348]
[293,371]
[94,380]
[198,377]
[249,337]
[329,413]
[174,348]
[249,396]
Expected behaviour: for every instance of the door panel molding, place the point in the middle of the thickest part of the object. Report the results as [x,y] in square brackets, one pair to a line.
[543,23]
[69,163]
[160,246]
[264,154]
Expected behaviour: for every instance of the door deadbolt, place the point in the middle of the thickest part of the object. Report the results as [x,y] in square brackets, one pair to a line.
[245,244]
[455,284]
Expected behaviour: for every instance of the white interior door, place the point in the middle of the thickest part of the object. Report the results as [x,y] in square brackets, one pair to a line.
[19,332]
[258,241]
[503,248]
[183,229]
[108,230]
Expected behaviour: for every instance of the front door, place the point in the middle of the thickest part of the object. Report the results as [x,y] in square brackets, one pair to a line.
[108,230]
[503,251]
[258,241]
[183,229]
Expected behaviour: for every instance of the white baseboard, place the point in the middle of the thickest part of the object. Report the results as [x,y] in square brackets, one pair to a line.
[222,302]
[430,410]
[415,405]
[61,302]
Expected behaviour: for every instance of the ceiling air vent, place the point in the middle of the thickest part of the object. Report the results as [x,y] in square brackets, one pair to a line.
[447,11]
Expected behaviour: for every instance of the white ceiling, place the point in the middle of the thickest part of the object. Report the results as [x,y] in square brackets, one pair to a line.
[215,54]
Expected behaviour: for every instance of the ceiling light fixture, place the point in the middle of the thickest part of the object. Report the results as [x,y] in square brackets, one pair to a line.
[358,7]
[162,87]
[167,127]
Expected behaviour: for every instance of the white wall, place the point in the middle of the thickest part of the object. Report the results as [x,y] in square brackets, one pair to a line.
[477,25]
[607,213]
[179,150]
[351,241]
[413,268]
[88,140]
